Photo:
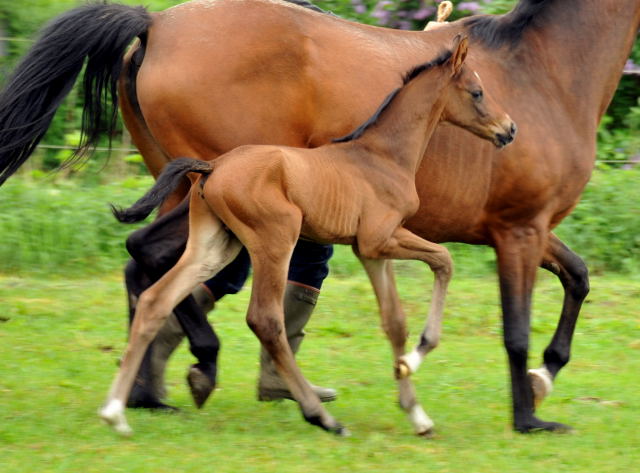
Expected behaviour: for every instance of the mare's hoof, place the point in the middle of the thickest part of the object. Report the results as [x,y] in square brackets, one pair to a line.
[537,425]
[201,385]
[541,384]
[149,402]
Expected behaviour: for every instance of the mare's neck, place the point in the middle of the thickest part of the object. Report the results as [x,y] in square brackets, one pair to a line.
[583,46]
[403,130]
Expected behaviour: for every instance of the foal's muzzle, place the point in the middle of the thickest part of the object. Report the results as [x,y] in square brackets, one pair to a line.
[506,135]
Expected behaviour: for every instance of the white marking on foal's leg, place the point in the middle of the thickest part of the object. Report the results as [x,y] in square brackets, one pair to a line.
[541,383]
[113,414]
[422,423]
[410,362]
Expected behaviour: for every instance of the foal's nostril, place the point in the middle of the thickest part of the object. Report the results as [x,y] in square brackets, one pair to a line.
[514,129]
[505,138]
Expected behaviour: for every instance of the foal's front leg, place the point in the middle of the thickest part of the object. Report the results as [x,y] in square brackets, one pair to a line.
[403,244]
[380,274]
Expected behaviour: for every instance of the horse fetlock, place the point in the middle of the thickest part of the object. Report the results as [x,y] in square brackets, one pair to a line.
[407,364]
[113,414]
[401,370]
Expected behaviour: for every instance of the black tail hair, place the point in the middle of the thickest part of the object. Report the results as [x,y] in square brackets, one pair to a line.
[167,182]
[100,32]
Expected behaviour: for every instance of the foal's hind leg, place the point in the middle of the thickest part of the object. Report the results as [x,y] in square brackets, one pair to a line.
[209,249]
[270,242]
[380,273]
[574,276]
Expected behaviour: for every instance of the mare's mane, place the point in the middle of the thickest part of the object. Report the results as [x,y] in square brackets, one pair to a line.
[406,79]
[496,31]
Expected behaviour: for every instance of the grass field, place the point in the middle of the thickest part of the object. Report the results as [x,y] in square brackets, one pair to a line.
[60,339]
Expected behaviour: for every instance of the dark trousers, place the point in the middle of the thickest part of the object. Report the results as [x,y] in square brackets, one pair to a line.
[309,266]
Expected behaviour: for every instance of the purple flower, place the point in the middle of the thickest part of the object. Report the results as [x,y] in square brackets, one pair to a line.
[631,67]
[423,13]
[473,7]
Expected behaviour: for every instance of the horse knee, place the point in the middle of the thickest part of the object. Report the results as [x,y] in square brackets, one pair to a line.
[442,263]
[578,286]
[517,346]
[150,316]
[429,342]
[267,328]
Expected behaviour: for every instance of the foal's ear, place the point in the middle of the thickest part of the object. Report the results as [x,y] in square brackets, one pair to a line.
[460,47]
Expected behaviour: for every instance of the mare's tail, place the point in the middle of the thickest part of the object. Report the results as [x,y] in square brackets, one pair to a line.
[97,32]
[167,182]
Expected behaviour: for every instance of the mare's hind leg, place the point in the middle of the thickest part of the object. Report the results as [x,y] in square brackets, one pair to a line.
[574,276]
[209,249]
[380,274]
[156,248]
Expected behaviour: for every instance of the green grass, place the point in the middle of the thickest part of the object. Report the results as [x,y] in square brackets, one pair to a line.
[60,340]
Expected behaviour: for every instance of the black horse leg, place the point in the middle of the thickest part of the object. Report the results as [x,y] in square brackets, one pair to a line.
[574,276]
[519,252]
[156,248]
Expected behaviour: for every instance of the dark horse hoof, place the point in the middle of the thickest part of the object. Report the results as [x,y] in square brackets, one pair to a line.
[536,425]
[202,383]
[143,400]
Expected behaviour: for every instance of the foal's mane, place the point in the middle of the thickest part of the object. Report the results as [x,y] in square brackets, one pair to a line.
[310,6]
[496,31]
[406,79]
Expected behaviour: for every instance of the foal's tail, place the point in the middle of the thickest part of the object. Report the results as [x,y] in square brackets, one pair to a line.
[167,182]
[98,32]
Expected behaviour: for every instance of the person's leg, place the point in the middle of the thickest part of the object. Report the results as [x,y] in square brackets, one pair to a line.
[308,269]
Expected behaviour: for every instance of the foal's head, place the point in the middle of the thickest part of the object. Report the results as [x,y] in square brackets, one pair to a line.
[469,106]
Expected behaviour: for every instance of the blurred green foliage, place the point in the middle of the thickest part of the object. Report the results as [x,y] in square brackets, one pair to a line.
[64,225]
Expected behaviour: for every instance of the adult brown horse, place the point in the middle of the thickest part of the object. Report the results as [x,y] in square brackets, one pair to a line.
[300,78]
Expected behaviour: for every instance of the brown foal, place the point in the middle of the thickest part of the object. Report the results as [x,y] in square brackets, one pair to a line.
[357,191]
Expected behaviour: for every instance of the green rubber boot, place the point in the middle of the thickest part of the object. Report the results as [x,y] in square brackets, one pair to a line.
[299,302]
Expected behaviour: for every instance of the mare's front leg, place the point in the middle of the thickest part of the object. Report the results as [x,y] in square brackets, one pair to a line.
[155,249]
[519,252]
[574,276]
[209,249]
[393,319]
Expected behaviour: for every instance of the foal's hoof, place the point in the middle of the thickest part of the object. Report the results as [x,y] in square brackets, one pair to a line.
[201,385]
[341,431]
[541,384]
[113,415]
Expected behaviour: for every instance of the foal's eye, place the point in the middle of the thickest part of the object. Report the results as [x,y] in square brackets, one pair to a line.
[476,94]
